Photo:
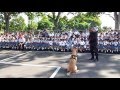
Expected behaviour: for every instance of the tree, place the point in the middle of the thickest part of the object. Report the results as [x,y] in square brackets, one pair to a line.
[17,24]
[31,16]
[63,23]
[7,16]
[45,23]
[32,26]
[55,18]
[82,21]
[116,18]
[2,23]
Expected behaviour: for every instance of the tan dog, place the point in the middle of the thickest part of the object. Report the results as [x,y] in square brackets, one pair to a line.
[74,51]
[72,68]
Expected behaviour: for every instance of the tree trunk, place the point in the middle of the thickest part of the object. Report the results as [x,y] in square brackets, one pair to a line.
[56,19]
[116,21]
[119,20]
[7,18]
[7,24]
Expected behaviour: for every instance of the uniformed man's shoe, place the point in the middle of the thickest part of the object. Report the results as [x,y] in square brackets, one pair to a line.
[91,59]
[96,59]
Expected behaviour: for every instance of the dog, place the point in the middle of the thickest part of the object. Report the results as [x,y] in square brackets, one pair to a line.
[74,51]
[72,68]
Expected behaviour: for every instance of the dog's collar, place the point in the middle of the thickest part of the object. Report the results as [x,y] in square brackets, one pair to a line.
[73,57]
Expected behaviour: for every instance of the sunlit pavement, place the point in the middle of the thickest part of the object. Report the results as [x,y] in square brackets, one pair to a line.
[42,64]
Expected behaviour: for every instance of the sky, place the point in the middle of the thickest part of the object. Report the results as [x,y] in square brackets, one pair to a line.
[105,19]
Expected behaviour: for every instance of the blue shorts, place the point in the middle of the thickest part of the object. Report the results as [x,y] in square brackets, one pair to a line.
[100,46]
[108,46]
[112,47]
[105,46]
[116,47]
[119,46]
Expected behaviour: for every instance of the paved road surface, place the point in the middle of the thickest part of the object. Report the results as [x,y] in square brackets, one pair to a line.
[42,64]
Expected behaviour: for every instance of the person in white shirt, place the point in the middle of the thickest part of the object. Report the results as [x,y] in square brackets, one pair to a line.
[50,44]
[75,42]
[36,44]
[116,46]
[105,45]
[63,45]
[0,38]
[58,44]
[101,45]
[87,45]
[82,43]
[112,46]
[119,45]
[108,46]
[21,42]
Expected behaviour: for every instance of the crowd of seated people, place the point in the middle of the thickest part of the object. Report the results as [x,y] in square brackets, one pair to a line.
[108,42]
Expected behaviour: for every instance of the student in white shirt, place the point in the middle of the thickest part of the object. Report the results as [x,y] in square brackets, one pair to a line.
[60,43]
[116,46]
[0,38]
[50,44]
[105,42]
[63,45]
[21,42]
[119,45]
[87,45]
[82,43]
[112,46]
[101,45]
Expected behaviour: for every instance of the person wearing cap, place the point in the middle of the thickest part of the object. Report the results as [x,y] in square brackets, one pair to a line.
[93,41]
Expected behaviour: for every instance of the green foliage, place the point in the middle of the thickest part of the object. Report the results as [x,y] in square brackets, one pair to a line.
[63,23]
[32,26]
[6,16]
[54,18]
[45,23]
[17,24]
[83,21]
[2,24]
[31,15]
[52,21]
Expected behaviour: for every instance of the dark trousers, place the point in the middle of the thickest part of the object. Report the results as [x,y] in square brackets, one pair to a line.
[94,51]
[21,46]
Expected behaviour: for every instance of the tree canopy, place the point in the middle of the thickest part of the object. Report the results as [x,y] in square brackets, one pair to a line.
[53,20]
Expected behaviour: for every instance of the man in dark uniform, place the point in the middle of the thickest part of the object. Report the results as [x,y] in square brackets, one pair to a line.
[93,41]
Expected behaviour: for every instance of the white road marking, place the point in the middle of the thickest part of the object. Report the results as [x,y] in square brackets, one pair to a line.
[14,56]
[55,72]
[52,76]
